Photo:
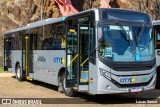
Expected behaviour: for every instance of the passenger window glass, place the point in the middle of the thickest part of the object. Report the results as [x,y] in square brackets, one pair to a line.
[54,37]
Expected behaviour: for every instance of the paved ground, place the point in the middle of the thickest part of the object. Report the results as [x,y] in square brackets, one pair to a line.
[12,88]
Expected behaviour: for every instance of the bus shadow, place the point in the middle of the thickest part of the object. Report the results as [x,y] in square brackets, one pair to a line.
[121,98]
[45,85]
[42,84]
[14,76]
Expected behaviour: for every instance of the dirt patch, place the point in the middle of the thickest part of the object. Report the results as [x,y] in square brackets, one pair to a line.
[6,74]
[12,88]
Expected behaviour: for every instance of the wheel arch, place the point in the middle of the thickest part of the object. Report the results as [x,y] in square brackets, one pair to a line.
[158,67]
[60,73]
[16,65]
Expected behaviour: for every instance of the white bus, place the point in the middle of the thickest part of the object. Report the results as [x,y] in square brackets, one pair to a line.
[99,51]
[156,34]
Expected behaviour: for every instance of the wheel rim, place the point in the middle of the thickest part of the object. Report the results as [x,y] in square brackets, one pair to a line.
[64,85]
[18,73]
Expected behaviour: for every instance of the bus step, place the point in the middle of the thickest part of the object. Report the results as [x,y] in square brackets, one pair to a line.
[85,71]
[84,76]
[83,80]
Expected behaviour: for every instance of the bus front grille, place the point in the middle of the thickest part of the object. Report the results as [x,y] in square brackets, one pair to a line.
[132,68]
[129,66]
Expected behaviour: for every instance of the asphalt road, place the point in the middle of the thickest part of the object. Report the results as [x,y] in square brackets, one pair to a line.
[10,87]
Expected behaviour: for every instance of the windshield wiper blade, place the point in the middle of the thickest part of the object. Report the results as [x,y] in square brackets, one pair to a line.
[123,31]
[137,38]
[140,34]
[125,35]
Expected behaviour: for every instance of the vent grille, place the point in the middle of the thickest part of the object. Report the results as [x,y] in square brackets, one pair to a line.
[128,66]
[132,68]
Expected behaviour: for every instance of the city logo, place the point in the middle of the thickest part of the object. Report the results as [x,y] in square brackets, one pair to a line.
[144,79]
[130,80]
[59,60]
[41,59]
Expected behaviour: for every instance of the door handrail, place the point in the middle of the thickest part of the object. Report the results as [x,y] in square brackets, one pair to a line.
[84,61]
[72,60]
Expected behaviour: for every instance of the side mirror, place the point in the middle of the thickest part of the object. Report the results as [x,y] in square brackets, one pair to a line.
[92,52]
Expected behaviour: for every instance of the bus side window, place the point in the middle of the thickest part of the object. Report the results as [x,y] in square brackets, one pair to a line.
[56,42]
[47,45]
[63,42]
[58,37]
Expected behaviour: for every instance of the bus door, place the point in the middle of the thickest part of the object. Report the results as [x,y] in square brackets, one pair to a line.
[27,56]
[157,41]
[77,57]
[32,44]
[7,53]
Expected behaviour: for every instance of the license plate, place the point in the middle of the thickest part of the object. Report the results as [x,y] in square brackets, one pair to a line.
[136,89]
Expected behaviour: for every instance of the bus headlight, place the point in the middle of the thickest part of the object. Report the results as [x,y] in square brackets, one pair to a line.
[105,73]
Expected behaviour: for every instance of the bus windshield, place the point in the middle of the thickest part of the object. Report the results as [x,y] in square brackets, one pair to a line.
[126,43]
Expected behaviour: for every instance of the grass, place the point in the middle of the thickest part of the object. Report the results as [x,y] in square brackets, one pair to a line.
[1,70]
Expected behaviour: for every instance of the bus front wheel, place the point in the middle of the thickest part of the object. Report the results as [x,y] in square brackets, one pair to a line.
[67,91]
[19,75]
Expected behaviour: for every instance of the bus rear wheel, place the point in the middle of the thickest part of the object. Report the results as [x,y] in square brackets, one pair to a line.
[67,91]
[19,74]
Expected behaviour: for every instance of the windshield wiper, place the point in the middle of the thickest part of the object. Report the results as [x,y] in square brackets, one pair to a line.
[125,35]
[137,38]
[140,34]
[123,31]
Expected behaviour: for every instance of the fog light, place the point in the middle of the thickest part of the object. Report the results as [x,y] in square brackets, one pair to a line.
[108,87]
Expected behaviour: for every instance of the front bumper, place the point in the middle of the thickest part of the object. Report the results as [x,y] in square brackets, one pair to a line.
[107,87]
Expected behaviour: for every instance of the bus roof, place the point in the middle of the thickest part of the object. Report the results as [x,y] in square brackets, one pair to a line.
[108,9]
[55,20]
[156,22]
[37,24]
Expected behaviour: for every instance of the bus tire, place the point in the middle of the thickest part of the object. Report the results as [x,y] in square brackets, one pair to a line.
[19,75]
[158,78]
[67,91]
